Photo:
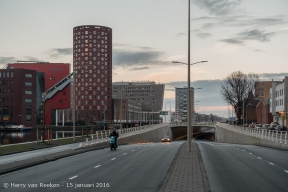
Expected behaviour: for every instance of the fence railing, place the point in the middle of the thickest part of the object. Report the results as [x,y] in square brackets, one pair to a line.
[264,134]
[102,136]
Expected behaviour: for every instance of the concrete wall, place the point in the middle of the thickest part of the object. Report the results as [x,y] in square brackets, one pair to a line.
[150,136]
[224,135]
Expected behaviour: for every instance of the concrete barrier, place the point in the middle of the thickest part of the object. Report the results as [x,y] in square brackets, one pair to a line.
[228,134]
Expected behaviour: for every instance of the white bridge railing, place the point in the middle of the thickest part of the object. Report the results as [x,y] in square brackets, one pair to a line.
[102,136]
[265,134]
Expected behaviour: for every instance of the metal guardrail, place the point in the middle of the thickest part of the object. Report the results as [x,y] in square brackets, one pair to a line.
[200,123]
[264,134]
[102,136]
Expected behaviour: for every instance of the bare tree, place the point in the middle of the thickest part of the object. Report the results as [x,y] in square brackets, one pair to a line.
[236,89]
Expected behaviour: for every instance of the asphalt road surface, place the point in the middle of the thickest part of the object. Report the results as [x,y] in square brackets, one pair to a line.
[244,168]
[140,167]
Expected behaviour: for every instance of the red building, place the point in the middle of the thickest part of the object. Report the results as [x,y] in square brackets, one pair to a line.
[92,62]
[54,73]
[18,96]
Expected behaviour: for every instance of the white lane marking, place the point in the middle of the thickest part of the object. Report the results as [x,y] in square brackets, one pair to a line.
[271,163]
[133,150]
[97,166]
[259,158]
[113,159]
[74,177]
[124,153]
[250,153]
[286,171]
[243,150]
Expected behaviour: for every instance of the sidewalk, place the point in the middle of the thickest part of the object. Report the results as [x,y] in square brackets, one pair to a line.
[187,172]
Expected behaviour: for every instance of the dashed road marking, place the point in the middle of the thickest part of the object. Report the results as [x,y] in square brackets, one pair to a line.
[250,153]
[286,171]
[259,158]
[74,177]
[243,150]
[113,159]
[124,153]
[271,163]
[97,166]
[133,150]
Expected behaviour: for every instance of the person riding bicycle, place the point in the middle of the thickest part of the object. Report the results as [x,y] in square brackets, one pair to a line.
[115,134]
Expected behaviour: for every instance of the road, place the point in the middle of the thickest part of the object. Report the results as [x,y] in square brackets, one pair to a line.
[244,168]
[139,167]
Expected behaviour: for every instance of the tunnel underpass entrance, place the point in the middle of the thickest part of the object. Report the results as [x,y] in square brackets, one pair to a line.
[202,132]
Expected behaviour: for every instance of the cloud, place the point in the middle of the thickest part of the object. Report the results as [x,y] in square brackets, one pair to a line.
[270,76]
[232,41]
[181,34]
[204,35]
[5,60]
[56,53]
[257,35]
[218,7]
[240,21]
[138,68]
[135,58]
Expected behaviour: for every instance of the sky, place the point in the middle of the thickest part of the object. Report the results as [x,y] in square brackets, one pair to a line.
[232,35]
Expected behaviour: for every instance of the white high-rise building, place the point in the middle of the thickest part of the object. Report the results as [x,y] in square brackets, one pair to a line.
[181,104]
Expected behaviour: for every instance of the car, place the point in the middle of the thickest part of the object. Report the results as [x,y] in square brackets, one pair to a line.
[281,128]
[246,125]
[266,126]
[258,126]
[273,125]
[166,139]
[252,125]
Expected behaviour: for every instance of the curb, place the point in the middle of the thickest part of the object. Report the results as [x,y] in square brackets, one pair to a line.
[18,165]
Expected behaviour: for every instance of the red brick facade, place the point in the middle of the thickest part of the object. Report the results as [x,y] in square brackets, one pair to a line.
[92,61]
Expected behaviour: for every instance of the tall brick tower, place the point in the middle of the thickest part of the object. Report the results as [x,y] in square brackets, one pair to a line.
[92,62]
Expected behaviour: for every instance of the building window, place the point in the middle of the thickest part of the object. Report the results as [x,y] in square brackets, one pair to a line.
[28,100]
[28,75]
[28,113]
[60,101]
[28,92]
[28,84]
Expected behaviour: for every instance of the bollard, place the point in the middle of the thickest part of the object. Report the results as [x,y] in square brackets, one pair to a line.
[92,143]
[86,141]
[276,138]
[286,138]
[80,145]
[269,135]
[272,136]
[37,135]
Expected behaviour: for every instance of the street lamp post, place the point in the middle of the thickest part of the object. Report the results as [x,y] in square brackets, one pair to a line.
[247,111]
[165,110]
[189,132]
[203,113]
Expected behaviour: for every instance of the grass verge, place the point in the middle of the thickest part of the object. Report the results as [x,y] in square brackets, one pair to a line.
[5,150]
